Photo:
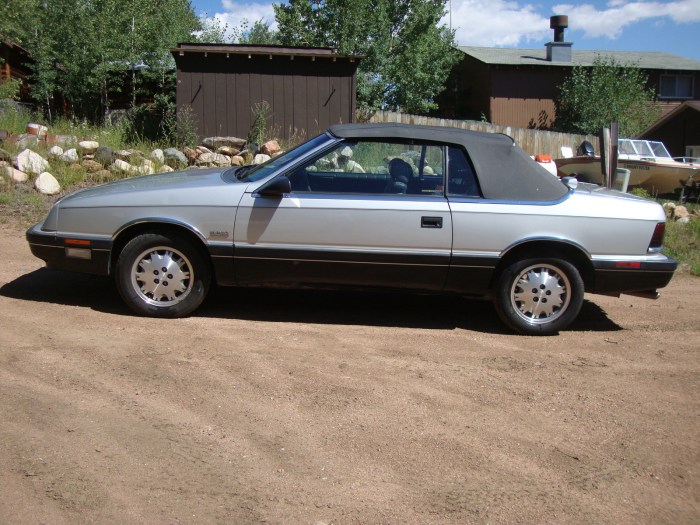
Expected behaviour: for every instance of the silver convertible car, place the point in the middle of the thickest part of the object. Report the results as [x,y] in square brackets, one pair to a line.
[371,206]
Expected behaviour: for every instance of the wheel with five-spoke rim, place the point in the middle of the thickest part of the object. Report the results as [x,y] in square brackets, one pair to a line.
[539,296]
[162,276]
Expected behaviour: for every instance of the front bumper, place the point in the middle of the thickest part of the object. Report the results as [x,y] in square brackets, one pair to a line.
[74,253]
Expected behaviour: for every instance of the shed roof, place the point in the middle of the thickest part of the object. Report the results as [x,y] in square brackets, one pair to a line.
[264,50]
[538,57]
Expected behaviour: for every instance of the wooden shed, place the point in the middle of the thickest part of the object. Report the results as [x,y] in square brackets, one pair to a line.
[307,89]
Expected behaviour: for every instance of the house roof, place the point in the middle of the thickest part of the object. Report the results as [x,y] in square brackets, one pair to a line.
[538,57]
[688,105]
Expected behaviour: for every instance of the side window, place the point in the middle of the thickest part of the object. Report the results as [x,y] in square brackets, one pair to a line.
[374,167]
[461,180]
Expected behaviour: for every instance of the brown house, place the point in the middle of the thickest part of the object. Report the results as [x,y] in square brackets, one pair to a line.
[14,61]
[517,87]
[679,130]
[308,89]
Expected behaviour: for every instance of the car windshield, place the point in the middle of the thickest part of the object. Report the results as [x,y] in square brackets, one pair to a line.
[254,173]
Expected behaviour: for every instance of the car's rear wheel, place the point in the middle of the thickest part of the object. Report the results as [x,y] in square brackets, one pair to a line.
[162,276]
[539,296]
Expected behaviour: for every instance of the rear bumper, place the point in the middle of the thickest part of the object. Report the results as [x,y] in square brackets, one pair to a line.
[74,254]
[616,276]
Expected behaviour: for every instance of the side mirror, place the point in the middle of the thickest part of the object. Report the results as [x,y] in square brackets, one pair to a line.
[570,182]
[276,187]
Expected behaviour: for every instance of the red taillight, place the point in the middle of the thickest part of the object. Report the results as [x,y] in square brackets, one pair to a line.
[628,265]
[657,239]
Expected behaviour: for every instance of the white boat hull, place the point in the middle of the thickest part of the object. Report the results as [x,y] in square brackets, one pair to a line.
[655,177]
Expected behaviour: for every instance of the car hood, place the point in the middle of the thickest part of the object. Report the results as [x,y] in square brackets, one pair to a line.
[211,187]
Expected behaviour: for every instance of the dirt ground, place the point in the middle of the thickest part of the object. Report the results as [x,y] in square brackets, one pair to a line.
[331,408]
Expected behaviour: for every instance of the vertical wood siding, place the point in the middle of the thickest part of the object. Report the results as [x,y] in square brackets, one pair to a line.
[306,95]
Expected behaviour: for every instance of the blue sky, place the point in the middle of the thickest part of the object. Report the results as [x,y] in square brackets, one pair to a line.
[617,25]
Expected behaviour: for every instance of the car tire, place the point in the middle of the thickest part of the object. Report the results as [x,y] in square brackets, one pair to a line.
[162,276]
[539,296]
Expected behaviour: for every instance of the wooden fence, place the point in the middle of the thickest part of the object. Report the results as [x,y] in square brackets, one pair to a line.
[533,141]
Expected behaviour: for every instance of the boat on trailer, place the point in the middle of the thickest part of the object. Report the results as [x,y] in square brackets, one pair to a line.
[649,162]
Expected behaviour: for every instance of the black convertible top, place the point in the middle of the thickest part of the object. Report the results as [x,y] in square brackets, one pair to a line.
[504,170]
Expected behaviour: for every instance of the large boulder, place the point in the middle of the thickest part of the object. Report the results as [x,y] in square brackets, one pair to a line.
[27,140]
[175,158]
[92,166]
[271,148]
[205,159]
[191,154]
[121,165]
[55,151]
[129,155]
[680,212]
[47,184]
[31,162]
[217,142]
[70,155]
[16,175]
[88,147]
[104,155]
[64,140]
[221,160]
[228,150]
[157,156]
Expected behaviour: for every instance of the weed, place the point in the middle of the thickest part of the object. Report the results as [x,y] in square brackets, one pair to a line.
[14,119]
[261,115]
[640,192]
[682,242]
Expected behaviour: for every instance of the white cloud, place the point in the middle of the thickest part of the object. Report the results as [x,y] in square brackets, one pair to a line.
[234,13]
[509,23]
[612,20]
[496,23]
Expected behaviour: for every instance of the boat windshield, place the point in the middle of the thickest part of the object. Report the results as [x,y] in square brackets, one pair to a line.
[626,147]
[659,149]
[642,148]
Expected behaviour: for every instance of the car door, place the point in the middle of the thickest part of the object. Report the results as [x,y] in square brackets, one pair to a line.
[351,220]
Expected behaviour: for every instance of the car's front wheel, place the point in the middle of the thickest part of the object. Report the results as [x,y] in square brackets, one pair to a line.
[162,276]
[539,296]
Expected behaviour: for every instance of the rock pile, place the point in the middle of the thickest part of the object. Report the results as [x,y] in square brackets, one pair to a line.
[101,161]
[678,213]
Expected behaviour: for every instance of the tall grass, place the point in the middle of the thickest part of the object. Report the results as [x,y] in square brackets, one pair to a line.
[14,120]
[682,242]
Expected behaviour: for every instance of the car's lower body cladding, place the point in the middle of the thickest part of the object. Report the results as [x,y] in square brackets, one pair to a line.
[89,256]
[421,271]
